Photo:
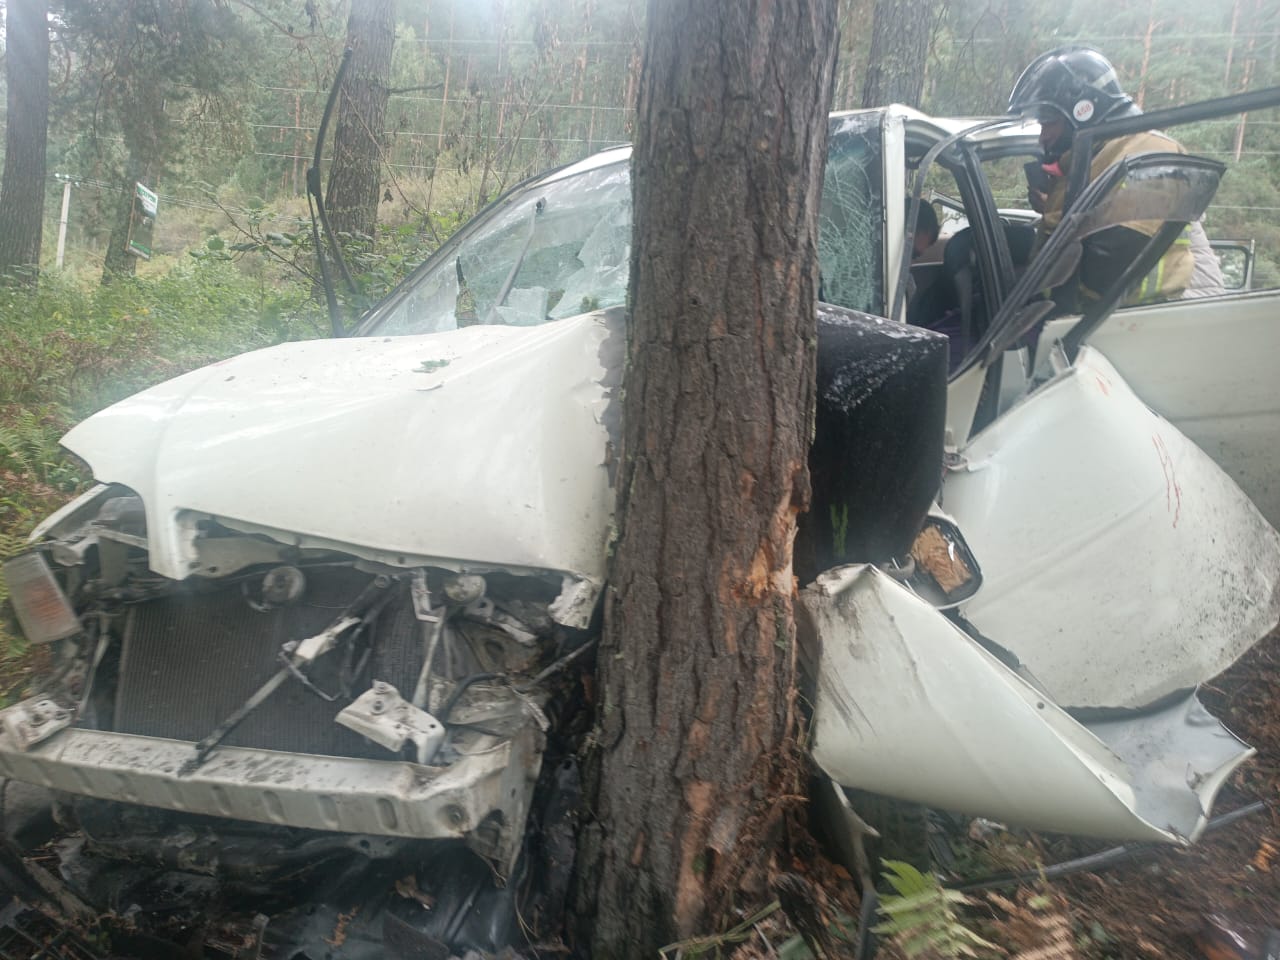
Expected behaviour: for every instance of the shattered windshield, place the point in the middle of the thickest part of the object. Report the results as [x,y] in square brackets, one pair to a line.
[562,247]
[556,250]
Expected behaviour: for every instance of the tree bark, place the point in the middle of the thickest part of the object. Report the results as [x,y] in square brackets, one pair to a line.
[697,758]
[1249,63]
[119,262]
[26,132]
[355,176]
[900,32]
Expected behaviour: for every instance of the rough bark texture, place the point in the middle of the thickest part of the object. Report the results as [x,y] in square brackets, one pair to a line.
[355,176]
[900,31]
[697,720]
[119,262]
[27,122]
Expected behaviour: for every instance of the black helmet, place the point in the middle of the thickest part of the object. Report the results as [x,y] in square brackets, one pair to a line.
[1078,82]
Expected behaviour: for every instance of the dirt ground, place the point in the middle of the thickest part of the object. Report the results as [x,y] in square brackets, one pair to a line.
[1215,900]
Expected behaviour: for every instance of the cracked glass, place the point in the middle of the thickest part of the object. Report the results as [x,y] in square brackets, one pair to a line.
[851,221]
[557,250]
[563,247]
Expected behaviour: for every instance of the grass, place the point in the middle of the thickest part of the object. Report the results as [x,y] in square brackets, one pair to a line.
[70,349]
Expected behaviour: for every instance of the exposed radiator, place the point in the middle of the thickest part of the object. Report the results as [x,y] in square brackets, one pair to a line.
[190,661]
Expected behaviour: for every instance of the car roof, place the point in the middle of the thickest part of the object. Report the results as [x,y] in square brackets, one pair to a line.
[991,140]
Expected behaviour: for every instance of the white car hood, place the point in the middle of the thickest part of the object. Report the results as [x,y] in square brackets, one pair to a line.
[484,446]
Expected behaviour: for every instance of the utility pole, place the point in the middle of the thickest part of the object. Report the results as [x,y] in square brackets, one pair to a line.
[62,219]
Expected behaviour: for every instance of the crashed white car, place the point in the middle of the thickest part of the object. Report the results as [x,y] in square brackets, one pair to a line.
[317,635]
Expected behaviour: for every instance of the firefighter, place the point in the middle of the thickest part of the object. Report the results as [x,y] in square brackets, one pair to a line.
[1070,89]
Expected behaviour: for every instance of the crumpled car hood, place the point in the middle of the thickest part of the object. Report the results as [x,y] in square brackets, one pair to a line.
[484,445]
[908,705]
[1120,564]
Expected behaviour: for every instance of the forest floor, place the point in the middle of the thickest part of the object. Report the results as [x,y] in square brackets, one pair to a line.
[1216,900]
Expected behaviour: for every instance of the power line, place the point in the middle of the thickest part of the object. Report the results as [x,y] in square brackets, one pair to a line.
[599,146]
[1137,38]
[459,42]
[1014,201]
[392,131]
[510,103]
[461,99]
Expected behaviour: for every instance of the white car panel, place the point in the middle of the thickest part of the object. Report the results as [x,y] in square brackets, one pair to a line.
[1209,367]
[1120,563]
[909,706]
[441,446]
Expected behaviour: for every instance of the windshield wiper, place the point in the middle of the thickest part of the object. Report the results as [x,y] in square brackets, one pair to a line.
[510,282]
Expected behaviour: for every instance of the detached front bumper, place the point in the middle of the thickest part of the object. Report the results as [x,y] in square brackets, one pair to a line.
[343,794]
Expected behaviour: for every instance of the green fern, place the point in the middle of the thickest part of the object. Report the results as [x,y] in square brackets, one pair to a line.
[922,917]
[16,436]
[839,529]
[26,442]
[29,446]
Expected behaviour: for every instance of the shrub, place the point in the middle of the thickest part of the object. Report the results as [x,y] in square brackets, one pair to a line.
[69,350]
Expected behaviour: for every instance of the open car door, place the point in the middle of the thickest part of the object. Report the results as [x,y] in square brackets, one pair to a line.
[1172,188]
[1206,365]
[1120,569]
[1121,564]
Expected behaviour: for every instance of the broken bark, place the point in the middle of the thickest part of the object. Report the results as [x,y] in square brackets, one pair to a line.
[698,712]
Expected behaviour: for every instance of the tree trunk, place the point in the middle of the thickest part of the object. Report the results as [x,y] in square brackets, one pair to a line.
[355,176]
[27,116]
[698,762]
[444,97]
[119,262]
[1249,63]
[849,58]
[1231,46]
[900,32]
[1146,54]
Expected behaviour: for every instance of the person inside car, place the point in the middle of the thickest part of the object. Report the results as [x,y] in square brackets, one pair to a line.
[1067,90]
[926,232]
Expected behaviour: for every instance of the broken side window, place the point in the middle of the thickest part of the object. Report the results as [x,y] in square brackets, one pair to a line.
[851,219]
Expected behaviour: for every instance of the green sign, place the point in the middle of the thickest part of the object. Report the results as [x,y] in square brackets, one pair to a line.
[142,220]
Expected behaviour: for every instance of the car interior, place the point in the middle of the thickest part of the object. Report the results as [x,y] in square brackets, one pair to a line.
[947,291]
